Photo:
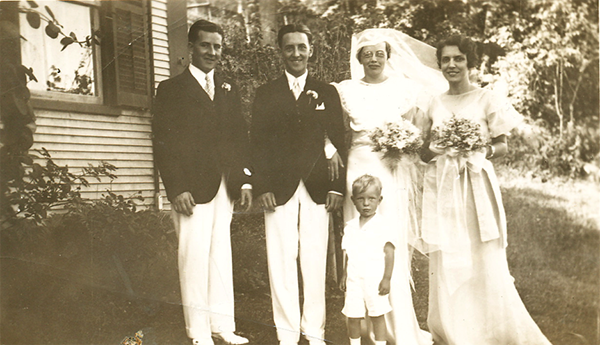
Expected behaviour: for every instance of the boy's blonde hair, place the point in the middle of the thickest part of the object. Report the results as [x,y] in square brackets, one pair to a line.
[365,181]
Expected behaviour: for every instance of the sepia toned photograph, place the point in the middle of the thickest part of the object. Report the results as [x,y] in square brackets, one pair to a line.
[299,172]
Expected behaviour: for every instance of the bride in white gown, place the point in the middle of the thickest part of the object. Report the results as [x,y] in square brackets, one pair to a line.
[387,81]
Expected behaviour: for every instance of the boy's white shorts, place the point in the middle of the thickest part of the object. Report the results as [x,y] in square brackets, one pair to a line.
[362,295]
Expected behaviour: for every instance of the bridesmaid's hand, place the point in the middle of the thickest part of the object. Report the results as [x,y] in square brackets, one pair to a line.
[428,152]
[436,149]
[384,286]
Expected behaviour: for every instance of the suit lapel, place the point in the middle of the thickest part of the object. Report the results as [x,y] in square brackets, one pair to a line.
[310,85]
[220,99]
[219,90]
[192,87]
[282,87]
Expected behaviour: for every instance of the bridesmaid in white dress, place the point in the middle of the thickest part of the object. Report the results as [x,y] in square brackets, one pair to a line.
[473,299]
[370,102]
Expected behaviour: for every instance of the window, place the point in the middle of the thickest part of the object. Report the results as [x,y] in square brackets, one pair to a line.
[116,72]
[69,74]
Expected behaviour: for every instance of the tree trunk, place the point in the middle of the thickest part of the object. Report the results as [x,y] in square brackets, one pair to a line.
[557,107]
[349,6]
[582,69]
[268,21]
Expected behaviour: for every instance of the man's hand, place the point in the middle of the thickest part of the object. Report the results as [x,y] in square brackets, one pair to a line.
[384,286]
[333,202]
[267,202]
[184,203]
[342,284]
[335,165]
[246,198]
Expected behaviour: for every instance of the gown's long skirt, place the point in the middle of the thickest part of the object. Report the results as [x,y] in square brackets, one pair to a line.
[485,308]
[402,325]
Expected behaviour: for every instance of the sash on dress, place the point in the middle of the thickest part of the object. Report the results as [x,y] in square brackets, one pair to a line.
[445,227]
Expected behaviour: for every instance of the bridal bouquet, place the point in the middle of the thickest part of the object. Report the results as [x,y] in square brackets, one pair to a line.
[396,140]
[459,135]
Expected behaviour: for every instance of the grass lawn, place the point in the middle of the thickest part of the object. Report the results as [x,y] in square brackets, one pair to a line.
[68,285]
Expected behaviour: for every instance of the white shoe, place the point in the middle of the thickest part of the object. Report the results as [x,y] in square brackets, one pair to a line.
[198,341]
[231,338]
[288,343]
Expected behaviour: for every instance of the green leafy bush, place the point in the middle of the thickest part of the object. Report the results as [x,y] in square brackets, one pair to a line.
[50,186]
[543,152]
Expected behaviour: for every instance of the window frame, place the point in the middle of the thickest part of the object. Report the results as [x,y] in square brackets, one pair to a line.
[57,96]
[109,98]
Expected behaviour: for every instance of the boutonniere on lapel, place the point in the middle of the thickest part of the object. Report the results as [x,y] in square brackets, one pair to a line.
[314,97]
[226,87]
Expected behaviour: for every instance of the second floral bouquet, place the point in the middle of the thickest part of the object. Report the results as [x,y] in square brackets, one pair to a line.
[458,134]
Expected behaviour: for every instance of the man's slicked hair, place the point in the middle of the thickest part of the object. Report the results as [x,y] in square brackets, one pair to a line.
[203,25]
[286,29]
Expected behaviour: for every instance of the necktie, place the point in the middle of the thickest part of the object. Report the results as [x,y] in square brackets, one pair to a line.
[210,89]
[296,88]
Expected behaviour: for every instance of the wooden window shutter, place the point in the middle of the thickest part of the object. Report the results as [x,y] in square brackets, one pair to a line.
[128,53]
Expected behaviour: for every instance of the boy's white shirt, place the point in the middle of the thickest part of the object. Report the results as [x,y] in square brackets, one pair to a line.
[364,245]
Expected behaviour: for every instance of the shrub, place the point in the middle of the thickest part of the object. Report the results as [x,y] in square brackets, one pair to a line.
[543,152]
[50,186]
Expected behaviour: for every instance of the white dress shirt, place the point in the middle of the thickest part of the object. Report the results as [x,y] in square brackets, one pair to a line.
[301,80]
[200,76]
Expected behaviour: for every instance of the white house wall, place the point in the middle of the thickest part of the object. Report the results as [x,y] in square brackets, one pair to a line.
[79,139]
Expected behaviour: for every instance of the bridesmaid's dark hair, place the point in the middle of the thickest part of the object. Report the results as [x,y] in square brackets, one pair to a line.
[388,50]
[464,44]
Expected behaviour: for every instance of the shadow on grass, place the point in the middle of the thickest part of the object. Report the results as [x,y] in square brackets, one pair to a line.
[553,255]
[73,283]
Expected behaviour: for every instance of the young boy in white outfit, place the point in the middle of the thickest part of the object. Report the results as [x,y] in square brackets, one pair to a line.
[368,247]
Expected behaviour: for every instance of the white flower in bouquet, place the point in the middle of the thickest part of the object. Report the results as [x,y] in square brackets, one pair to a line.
[458,134]
[396,139]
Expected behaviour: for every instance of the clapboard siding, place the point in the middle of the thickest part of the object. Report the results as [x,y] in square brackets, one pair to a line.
[161,53]
[90,148]
[159,5]
[160,40]
[77,140]
[161,37]
[115,134]
[129,117]
[98,194]
[123,143]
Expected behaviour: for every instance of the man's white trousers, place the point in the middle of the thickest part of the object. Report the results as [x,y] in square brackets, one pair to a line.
[205,269]
[295,230]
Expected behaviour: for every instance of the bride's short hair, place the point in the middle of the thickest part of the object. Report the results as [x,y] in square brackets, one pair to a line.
[388,51]
[365,181]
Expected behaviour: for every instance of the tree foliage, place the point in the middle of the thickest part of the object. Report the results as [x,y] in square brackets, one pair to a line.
[542,53]
[28,189]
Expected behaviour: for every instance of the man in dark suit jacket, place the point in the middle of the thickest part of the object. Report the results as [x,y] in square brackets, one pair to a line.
[290,118]
[200,148]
